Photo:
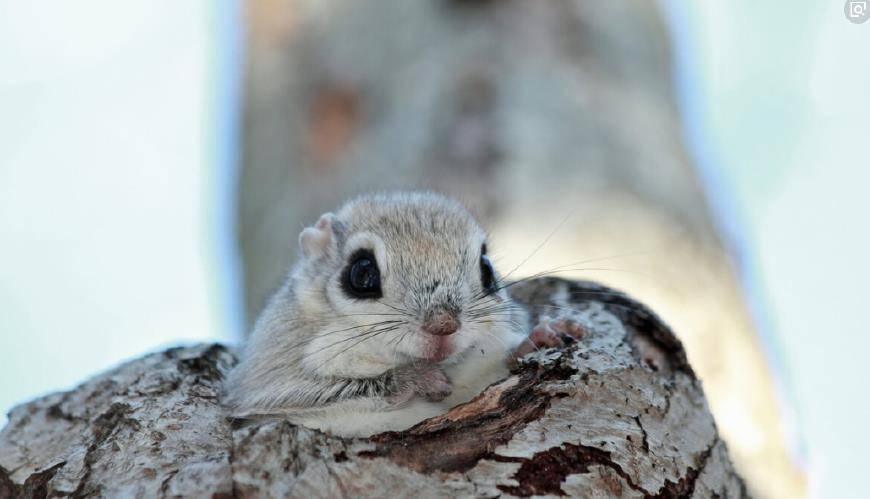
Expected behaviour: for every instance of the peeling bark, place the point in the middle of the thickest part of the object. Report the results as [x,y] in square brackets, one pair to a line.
[618,413]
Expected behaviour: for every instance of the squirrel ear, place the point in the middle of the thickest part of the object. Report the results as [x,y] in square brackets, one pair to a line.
[314,241]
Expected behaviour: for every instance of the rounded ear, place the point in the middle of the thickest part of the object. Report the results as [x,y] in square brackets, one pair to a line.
[314,241]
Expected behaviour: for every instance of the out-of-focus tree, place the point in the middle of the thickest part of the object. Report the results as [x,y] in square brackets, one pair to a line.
[528,112]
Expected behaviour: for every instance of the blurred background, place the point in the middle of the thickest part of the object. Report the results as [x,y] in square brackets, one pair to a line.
[158,159]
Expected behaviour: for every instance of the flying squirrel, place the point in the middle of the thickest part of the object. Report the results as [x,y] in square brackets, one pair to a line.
[392,314]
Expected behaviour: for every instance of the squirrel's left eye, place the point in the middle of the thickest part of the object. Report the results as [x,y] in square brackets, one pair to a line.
[487,273]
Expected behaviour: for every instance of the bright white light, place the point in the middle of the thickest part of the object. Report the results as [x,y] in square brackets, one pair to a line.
[104,178]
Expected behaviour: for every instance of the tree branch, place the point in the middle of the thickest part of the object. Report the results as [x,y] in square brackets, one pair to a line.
[618,413]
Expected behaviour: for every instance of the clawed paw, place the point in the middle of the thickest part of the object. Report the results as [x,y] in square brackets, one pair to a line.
[434,386]
[426,381]
[549,333]
[567,330]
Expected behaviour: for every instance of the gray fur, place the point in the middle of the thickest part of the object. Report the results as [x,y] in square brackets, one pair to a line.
[316,352]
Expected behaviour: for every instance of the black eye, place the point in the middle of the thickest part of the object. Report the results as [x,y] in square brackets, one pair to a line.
[487,274]
[362,278]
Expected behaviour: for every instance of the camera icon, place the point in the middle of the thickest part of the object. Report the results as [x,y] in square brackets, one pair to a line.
[857,10]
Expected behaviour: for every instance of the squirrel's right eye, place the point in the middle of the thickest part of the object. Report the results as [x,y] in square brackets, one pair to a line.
[487,273]
[362,278]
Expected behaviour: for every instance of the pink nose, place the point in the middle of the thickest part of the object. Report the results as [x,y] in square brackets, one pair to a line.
[441,324]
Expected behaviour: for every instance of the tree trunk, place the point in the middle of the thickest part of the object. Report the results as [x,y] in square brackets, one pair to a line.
[618,413]
[526,111]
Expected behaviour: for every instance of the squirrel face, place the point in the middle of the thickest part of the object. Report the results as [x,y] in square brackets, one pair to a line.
[401,278]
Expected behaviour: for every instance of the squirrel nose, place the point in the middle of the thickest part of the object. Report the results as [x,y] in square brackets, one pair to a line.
[442,323]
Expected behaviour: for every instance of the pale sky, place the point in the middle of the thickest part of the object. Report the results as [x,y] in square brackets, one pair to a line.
[106,195]
[777,98]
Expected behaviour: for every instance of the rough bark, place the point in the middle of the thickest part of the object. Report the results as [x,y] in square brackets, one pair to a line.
[618,413]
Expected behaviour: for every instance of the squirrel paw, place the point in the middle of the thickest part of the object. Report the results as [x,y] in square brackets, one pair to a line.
[549,333]
[428,382]
[434,385]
